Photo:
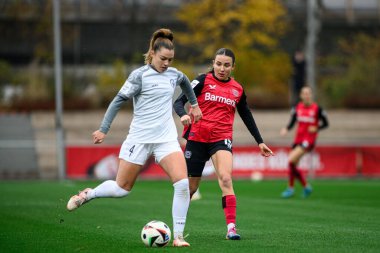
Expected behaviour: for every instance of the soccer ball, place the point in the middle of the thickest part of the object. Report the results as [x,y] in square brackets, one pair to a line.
[155,234]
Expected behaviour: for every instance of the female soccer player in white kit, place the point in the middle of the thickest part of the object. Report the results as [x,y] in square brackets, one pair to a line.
[152,131]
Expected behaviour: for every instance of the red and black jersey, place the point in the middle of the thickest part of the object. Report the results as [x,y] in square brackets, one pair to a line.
[306,116]
[218,101]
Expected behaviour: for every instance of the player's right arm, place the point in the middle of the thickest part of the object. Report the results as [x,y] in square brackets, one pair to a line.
[179,104]
[113,108]
[131,87]
[292,121]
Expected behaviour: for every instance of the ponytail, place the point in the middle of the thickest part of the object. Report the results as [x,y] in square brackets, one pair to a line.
[160,38]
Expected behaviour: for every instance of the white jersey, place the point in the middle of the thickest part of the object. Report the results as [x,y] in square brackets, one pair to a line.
[152,94]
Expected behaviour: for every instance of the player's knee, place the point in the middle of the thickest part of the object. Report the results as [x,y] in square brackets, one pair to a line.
[293,160]
[225,180]
[182,186]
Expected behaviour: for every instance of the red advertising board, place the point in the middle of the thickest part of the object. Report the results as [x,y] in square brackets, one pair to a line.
[325,161]
[82,160]
[370,161]
[322,162]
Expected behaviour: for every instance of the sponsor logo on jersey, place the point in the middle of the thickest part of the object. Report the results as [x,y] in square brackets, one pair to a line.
[220,99]
[306,119]
[212,87]
[235,92]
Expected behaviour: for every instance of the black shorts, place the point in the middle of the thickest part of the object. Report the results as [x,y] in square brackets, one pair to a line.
[305,145]
[198,153]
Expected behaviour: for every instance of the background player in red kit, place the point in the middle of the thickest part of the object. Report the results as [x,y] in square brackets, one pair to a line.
[218,96]
[310,118]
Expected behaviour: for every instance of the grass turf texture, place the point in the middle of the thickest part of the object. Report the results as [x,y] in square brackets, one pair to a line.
[340,216]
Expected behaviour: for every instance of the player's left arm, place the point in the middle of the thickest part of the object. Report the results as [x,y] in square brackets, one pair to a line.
[323,121]
[249,121]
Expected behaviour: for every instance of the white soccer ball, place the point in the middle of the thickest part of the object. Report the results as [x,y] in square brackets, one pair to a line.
[155,234]
[257,176]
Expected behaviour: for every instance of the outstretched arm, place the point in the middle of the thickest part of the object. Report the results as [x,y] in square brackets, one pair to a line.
[249,121]
[323,119]
[292,121]
[109,116]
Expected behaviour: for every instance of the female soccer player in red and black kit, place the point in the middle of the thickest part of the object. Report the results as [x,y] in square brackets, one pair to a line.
[218,95]
[310,118]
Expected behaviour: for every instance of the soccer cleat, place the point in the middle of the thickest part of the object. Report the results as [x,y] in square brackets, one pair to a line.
[78,200]
[307,191]
[196,196]
[232,235]
[180,242]
[287,193]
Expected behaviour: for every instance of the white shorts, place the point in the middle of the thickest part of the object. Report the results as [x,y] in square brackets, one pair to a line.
[138,153]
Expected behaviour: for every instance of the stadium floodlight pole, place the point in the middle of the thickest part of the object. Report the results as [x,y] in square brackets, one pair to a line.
[313,26]
[58,91]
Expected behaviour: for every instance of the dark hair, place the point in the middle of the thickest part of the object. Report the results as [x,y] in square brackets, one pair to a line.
[226,52]
[160,38]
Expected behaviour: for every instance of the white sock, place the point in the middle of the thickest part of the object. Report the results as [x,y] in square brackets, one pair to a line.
[108,188]
[230,225]
[181,201]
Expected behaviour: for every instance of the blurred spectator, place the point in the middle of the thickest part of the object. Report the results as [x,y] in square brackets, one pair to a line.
[299,75]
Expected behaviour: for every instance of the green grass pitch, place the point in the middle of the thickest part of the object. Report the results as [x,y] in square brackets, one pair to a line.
[340,216]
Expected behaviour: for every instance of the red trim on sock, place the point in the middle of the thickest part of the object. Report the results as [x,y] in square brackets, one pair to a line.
[302,179]
[229,208]
[297,173]
[291,175]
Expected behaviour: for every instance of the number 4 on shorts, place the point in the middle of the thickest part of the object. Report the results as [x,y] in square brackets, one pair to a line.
[131,150]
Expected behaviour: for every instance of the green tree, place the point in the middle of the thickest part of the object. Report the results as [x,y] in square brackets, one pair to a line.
[109,81]
[353,78]
[252,28]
